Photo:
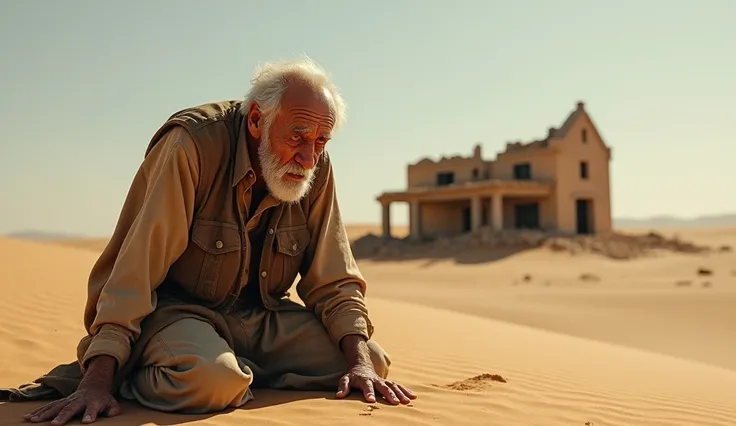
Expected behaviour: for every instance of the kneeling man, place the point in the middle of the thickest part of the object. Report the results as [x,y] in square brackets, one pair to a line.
[187,306]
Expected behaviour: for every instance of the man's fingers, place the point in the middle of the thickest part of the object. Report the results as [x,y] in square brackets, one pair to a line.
[398,392]
[48,412]
[387,392]
[40,409]
[368,393]
[90,414]
[67,413]
[113,409]
[343,386]
[406,391]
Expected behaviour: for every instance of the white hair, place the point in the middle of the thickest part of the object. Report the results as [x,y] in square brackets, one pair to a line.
[269,83]
[271,79]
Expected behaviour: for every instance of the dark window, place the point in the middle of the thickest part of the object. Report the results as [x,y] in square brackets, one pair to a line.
[446,178]
[523,171]
[584,136]
[475,174]
[583,170]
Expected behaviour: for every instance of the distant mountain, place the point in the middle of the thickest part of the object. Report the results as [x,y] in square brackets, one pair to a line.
[710,221]
[35,235]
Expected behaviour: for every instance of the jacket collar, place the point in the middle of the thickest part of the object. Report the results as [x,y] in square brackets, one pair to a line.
[243,165]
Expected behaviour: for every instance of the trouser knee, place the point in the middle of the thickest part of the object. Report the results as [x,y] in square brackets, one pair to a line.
[201,387]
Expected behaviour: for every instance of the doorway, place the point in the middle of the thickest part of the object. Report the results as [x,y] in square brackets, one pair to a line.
[466,219]
[583,215]
[526,216]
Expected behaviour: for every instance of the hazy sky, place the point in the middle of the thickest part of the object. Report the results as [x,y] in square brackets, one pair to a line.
[86,83]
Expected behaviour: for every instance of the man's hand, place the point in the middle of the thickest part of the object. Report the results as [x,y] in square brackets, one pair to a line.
[361,375]
[93,397]
[364,377]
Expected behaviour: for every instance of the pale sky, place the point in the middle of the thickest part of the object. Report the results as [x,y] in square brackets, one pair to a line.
[86,83]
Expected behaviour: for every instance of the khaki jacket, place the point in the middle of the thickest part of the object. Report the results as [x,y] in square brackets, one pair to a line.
[184,231]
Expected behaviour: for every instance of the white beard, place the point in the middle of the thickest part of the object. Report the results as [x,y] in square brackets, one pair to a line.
[273,174]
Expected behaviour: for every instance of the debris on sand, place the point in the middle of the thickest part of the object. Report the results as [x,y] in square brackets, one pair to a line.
[705,272]
[612,245]
[476,383]
[588,277]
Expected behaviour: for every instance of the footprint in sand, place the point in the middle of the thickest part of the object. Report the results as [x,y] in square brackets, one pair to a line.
[474,384]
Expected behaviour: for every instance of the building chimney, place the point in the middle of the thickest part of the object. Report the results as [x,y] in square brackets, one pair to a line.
[477,152]
[581,105]
[551,132]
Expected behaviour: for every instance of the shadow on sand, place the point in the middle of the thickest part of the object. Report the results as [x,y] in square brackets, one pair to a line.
[11,413]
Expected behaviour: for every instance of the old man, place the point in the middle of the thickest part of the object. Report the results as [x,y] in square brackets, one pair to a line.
[187,307]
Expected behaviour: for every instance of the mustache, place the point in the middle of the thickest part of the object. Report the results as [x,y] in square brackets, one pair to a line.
[295,169]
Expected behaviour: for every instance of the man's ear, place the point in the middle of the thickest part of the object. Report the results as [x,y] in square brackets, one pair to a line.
[255,119]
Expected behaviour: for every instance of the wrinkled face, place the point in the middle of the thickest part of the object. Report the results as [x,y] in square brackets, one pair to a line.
[291,146]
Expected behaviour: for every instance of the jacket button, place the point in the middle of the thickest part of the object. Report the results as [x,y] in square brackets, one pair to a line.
[294,247]
[264,274]
[270,231]
[218,244]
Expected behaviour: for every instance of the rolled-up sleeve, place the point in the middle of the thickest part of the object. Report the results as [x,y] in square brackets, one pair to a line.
[331,284]
[151,233]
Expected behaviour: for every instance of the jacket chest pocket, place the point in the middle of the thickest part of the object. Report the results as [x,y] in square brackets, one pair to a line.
[216,264]
[290,247]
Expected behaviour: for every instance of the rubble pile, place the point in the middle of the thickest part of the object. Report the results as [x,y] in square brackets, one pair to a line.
[613,245]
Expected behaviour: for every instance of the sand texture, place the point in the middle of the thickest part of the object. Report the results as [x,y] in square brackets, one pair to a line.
[533,337]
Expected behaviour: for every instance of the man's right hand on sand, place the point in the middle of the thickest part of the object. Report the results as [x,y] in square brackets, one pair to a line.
[92,398]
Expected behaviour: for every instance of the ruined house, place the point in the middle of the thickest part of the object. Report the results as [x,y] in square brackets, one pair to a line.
[560,183]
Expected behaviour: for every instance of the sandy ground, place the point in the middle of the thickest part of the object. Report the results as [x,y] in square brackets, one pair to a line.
[646,342]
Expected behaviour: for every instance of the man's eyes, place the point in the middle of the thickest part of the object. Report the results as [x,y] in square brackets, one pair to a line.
[298,138]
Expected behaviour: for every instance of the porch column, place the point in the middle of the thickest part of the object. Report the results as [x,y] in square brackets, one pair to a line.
[497,212]
[386,207]
[415,219]
[476,213]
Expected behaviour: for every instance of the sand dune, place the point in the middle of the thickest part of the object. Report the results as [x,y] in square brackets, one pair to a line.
[630,348]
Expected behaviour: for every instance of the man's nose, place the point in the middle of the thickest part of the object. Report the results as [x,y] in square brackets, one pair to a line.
[306,156]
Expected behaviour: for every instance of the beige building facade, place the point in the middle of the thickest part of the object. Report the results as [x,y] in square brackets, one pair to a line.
[558,184]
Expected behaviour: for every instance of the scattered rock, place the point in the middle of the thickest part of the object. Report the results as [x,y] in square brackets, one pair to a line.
[369,410]
[527,278]
[704,272]
[684,283]
[706,284]
[725,249]
[589,277]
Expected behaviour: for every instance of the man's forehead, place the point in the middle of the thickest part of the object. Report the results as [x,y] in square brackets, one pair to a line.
[324,127]
[300,95]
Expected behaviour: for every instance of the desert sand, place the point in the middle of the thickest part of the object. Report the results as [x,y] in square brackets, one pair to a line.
[522,340]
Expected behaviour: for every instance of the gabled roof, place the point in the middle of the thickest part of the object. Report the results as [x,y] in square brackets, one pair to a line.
[560,133]
[553,133]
